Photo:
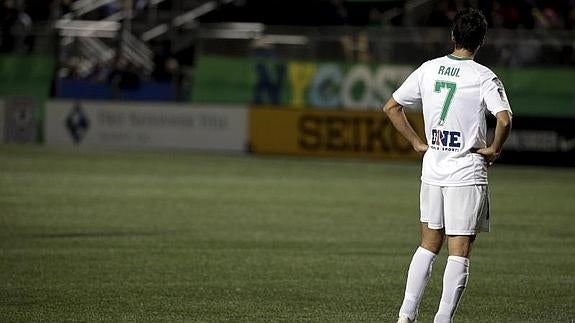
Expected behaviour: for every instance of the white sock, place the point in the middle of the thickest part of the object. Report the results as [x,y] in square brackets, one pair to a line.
[454,282]
[417,277]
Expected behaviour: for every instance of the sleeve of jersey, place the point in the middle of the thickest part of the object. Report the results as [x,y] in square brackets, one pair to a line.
[494,94]
[409,93]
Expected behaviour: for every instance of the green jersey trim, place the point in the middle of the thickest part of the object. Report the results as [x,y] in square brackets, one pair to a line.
[457,58]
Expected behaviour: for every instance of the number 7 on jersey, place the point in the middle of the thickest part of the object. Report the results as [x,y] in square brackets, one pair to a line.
[451,87]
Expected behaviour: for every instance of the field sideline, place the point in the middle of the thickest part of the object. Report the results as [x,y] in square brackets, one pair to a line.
[151,236]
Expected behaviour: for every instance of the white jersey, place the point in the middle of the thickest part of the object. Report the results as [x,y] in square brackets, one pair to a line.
[455,93]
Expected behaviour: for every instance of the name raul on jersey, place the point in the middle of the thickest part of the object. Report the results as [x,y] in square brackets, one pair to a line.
[448,71]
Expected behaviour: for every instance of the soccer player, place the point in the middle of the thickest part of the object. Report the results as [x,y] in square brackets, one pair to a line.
[455,93]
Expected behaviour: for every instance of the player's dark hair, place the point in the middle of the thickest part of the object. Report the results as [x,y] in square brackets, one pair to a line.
[469,28]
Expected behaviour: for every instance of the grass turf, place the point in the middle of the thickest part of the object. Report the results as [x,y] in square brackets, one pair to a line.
[150,236]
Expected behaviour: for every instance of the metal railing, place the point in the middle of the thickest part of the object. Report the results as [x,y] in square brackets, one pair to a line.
[115,32]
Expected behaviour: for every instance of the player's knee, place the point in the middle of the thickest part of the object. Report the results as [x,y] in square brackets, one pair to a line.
[431,239]
[460,245]
[432,245]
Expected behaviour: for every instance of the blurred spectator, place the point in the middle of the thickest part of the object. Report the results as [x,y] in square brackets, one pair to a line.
[553,13]
[100,72]
[338,14]
[9,18]
[124,76]
[110,8]
[442,12]
[23,32]
[59,8]
[140,4]
[65,6]
[16,28]
[262,48]
[512,14]
[167,71]
[356,48]
[71,68]
[440,15]
[39,10]
[505,14]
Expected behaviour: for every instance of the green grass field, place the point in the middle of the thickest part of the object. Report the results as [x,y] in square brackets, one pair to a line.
[151,236]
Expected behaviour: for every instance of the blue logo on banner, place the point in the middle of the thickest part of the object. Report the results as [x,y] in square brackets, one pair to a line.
[77,123]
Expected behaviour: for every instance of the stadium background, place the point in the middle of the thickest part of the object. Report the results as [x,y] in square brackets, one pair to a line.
[168,125]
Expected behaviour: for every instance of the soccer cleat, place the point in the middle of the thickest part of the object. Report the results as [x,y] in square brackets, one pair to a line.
[403,319]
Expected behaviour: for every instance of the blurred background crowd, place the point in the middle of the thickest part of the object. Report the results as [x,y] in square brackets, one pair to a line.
[127,42]
[529,14]
[512,14]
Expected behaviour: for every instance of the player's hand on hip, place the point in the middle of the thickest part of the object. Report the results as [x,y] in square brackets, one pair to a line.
[420,147]
[490,155]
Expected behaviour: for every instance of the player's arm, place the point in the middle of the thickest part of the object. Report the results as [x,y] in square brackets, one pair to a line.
[394,112]
[502,130]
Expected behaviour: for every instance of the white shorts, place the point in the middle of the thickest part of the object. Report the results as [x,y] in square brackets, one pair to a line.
[461,210]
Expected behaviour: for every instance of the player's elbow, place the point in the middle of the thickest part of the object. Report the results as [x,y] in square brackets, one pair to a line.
[391,106]
[504,119]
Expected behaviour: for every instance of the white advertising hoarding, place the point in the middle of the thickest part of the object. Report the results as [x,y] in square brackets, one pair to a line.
[145,125]
[20,119]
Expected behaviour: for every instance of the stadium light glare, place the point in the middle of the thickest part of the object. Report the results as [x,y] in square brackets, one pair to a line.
[87,28]
[154,32]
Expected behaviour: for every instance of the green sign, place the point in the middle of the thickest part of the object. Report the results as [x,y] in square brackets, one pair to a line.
[531,91]
[26,75]
[296,83]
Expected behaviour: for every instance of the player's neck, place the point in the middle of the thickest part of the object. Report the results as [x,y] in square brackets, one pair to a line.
[462,53]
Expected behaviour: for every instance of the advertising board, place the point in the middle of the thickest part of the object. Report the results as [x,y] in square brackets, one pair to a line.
[339,85]
[145,125]
[296,84]
[540,141]
[20,120]
[329,133]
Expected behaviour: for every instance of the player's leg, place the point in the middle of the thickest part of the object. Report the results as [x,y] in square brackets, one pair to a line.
[431,239]
[422,261]
[455,276]
[419,272]
[466,214]
[460,245]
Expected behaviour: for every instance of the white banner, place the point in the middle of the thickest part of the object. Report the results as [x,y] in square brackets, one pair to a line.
[20,120]
[145,125]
